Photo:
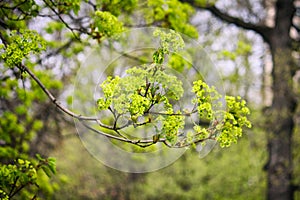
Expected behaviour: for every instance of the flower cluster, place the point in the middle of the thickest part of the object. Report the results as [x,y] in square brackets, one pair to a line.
[139,91]
[205,98]
[105,25]
[230,128]
[235,118]
[148,95]
[169,42]
[172,125]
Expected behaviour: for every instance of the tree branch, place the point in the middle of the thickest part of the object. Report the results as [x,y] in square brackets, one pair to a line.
[62,20]
[264,31]
[141,143]
[296,27]
[82,119]
[296,188]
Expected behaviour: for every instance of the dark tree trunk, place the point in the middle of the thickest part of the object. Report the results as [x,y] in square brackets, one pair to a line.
[280,128]
[279,123]
[280,119]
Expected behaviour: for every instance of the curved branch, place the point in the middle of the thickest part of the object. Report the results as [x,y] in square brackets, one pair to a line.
[264,31]
[141,143]
[82,119]
[296,27]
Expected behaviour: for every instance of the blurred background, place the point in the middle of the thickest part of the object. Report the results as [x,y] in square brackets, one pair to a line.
[253,44]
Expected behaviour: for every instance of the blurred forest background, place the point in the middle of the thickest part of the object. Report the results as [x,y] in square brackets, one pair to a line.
[254,44]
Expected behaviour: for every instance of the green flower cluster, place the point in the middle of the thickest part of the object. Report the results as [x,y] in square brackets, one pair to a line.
[171,41]
[16,175]
[171,127]
[200,132]
[145,88]
[22,44]
[149,86]
[205,98]
[25,170]
[235,118]
[108,86]
[136,93]
[105,25]
[138,105]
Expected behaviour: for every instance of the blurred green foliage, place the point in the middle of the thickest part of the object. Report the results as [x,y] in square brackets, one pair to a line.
[173,14]
[21,179]
[231,173]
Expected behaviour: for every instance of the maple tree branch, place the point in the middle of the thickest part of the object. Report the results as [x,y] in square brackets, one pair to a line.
[139,142]
[82,119]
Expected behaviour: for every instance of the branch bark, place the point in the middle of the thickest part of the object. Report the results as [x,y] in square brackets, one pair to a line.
[263,31]
[52,98]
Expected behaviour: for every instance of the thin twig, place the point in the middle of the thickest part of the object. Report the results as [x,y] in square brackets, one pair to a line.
[140,143]
[61,19]
[172,114]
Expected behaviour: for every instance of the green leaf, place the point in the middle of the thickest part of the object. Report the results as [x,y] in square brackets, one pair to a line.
[39,157]
[52,164]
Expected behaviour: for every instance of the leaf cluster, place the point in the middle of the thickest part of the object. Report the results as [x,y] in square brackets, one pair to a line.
[21,44]
[15,12]
[105,25]
[117,7]
[23,173]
